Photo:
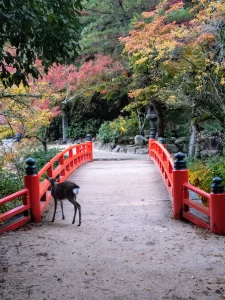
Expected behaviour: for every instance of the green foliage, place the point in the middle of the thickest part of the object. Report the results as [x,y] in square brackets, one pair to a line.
[81,127]
[180,16]
[202,172]
[12,182]
[106,20]
[48,30]
[9,183]
[121,129]
[42,157]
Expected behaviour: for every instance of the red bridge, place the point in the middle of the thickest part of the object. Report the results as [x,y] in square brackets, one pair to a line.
[128,246]
[36,194]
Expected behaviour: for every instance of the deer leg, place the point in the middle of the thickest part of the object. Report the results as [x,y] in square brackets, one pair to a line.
[79,209]
[73,201]
[75,212]
[55,206]
[61,203]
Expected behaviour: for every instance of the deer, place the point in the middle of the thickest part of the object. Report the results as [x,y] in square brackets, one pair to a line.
[64,190]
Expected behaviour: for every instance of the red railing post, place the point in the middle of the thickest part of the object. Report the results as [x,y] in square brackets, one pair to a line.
[89,146]
[31,182]
[217,207]
[150,147]
[180,176]
[62,162]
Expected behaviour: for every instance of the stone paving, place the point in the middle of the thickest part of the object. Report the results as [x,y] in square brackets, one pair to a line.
[128,246]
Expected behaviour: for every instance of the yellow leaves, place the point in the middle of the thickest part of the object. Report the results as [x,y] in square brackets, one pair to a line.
[135,93]
[148,14]
[208,10]
[205,39]
[175,7]
[172,99]
[141,61]
[222,81]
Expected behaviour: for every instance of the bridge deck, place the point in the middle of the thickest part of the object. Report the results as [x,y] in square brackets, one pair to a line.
[127,247]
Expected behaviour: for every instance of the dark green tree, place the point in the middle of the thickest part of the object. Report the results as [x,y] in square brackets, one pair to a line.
[48,30]
[104,21]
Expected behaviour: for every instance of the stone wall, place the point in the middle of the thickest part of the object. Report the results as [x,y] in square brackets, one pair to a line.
[132,149]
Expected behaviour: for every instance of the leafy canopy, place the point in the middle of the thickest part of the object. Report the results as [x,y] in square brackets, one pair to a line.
[31,29]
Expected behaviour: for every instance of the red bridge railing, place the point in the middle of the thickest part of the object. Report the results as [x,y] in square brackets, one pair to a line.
[175,176]
[36,194]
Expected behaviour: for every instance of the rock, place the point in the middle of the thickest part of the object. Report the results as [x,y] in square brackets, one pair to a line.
[171,148]
[180,140]
[98,145]
[116,149]
[108,147]
[142,151]
[123,149]
[208,153]
[140,140]
[171,140]
[185,148]
[131,150]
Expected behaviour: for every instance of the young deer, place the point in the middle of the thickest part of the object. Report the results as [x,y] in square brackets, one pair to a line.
[60,191]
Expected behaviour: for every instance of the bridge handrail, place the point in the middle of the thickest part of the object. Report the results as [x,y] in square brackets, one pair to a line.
[22,209]
[176,181]
[36,190]
[164,161]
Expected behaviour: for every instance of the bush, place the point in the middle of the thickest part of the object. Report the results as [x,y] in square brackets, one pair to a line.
[180,16]
[120,129]
[11,182]
[80,128]
[202,172]
[42,157]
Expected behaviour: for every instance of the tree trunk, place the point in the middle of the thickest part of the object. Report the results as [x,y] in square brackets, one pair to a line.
[64,125]
[158,107]
[193,149]
[44,144]
[192,141]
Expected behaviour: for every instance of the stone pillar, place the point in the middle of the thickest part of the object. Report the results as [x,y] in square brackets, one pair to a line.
[152,117]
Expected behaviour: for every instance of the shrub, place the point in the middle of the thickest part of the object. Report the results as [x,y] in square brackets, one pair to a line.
[11,182]
[80,128]
[180,16]
[202,172]
[120,129]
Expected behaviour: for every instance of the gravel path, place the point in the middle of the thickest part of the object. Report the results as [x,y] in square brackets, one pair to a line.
[128,246]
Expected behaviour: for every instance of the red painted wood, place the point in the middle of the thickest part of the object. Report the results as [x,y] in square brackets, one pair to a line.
[12,212]
[197,190]
[16,225]
[198,206]
[195,219]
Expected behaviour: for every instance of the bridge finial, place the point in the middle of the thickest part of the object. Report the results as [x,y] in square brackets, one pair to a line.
[88,137]
[217,186]
[31,168]
[180,163]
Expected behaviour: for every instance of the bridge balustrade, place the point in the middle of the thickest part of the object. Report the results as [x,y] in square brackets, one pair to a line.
[36,193]
[175,176]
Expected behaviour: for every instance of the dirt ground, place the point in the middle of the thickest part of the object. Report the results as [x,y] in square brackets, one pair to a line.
[128,246]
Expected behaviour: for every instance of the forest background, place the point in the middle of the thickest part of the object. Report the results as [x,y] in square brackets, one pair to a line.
[132,56]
